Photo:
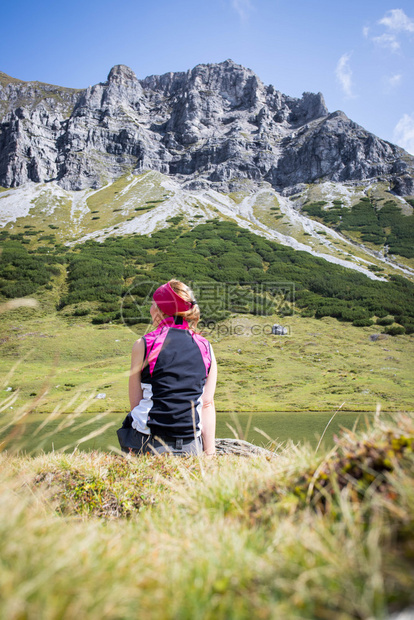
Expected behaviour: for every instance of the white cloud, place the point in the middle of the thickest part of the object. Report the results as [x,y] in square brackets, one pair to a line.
[391,82]
[365,32]
[398,21]
[388,41]
[396,24]
[404,133]
[343,74]
[394,80]
[242,8]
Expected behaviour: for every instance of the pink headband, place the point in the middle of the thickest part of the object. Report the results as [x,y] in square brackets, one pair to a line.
[169,302]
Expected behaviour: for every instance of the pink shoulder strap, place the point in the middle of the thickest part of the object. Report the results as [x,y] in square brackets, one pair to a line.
[154,342]
[205,350]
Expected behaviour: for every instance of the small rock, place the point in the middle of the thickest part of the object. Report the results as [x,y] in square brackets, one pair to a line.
[374,337]
[241,448]
[101,395]
[279,330]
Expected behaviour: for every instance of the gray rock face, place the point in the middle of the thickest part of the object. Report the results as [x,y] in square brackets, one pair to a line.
[216,125]
[32,117]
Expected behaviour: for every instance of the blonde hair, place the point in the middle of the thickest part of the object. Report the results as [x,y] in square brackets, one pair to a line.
[192,316]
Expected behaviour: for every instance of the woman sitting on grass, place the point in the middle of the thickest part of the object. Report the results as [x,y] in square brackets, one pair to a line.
[172,380]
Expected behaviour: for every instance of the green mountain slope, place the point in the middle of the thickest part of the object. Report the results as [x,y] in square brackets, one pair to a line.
[320,220]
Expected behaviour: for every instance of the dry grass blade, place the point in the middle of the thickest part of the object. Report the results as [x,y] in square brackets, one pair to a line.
[233,430]
[9,401]
[55,414]
[14,367]
[236,422]
[91,435]
[273,445]
[92,420]
[326,427]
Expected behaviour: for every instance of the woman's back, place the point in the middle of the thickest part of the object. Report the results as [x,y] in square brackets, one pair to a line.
[176,366]
[172,380]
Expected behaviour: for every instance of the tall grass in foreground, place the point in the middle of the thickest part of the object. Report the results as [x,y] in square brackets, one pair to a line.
[294,535]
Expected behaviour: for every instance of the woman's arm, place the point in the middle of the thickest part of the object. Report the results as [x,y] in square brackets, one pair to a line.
[208,411]
[137,359]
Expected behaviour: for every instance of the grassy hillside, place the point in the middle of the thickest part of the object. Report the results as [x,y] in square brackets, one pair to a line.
[320,365]
[377,224]
[375,218]
[295,535]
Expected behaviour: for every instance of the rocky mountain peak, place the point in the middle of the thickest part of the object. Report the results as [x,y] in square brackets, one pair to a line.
[215,125]
[121,74]
[314,105]
[229,63]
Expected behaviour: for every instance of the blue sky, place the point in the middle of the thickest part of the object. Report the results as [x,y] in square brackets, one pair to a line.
[358,53]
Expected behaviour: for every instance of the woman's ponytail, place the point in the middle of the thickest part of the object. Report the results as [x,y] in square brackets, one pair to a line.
[192,316]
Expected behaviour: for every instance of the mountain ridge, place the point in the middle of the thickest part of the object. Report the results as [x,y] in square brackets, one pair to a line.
[215,126]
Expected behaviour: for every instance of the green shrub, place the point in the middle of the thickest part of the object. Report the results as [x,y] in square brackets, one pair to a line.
[386,320]
[102,318]
[19,289]
[175,220]
[147,208]
[362,322]
[395,330]
[22,272]
[81,311]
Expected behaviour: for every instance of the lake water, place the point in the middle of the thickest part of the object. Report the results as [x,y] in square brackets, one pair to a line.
[39,432]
